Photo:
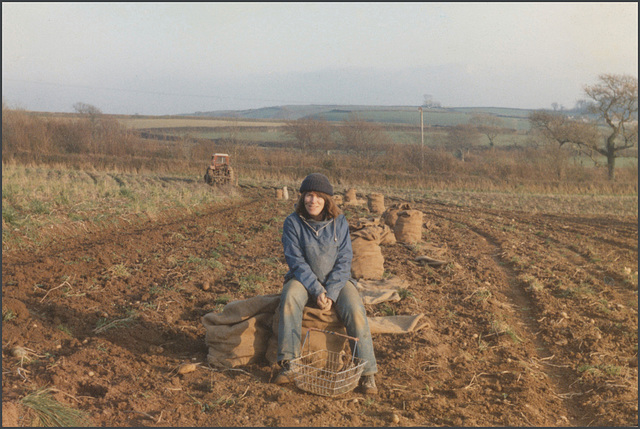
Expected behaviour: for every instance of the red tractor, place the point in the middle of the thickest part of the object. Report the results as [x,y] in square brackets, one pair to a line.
[219,172]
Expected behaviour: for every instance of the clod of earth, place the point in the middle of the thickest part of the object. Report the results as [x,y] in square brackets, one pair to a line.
[19,352]
[187,368]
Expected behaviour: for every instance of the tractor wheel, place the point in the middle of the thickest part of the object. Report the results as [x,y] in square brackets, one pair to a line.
[209,176]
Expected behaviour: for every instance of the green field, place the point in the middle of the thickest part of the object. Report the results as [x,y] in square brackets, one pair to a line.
[513,118]
[180,122]
[433,118]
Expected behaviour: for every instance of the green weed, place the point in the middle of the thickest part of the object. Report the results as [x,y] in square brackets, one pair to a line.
[501,327]
[603,306]
[102,348]
[223,248]
[272,262]
[104,325]
[119,270]
[222,300]
[127,193]
[532,283]
[481,294]
[39,207]
[251,283]
[209,406]
[65,330]
[482,345]
[404,293]
[193,260]
[8,315]
[9,214]
[387,310]
[213,264]
[600,370]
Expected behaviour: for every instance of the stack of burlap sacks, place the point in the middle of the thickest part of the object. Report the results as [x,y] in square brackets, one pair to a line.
[398,223]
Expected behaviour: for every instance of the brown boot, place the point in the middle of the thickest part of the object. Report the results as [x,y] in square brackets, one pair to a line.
[368,385]
[286,375]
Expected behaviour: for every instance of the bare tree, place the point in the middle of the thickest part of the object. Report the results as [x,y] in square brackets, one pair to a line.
[615,104]
[363,137]
[311,133]
[462,138]
[615,101]
[557,107]
[561,129]
[489,125]
[581,106]
[94,116]
[429,102]
[88,110]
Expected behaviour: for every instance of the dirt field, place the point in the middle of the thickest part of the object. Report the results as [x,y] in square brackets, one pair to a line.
[532,322]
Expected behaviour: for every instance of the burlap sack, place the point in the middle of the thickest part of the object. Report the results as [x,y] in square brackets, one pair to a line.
[350,196]
[239,335]
[246,331]
[351,199]
[387,236]
[375,202]
[367,262]
[311,318]
[372,230]
[408,228]
[358,224]
[381,290]
[390,215]
[397,324]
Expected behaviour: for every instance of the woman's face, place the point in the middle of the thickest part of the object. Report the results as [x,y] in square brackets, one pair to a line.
[314,204]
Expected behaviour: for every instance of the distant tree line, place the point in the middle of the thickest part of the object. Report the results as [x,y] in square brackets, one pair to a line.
[607,126]
[549,150]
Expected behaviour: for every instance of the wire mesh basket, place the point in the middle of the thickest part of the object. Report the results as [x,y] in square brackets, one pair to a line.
[325,372]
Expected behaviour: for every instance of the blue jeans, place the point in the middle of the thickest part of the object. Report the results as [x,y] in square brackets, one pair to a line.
[350,309]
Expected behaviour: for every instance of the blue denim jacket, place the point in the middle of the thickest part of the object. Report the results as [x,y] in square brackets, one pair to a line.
[318,254]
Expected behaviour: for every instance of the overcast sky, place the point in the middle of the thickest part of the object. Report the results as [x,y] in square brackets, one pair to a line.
[167,58]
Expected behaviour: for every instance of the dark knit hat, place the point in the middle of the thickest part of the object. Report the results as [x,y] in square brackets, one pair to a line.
[316,182]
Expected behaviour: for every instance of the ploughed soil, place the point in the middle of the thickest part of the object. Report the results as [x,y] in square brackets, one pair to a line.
[532,321]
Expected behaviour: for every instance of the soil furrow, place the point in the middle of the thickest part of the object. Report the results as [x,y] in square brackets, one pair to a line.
[562,379]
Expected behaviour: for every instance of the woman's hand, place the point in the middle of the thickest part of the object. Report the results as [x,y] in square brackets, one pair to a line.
[323,302]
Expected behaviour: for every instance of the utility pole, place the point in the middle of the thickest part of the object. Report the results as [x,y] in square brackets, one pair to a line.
[422,138]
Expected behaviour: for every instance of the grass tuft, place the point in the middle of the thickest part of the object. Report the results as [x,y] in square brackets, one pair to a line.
[49,412]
